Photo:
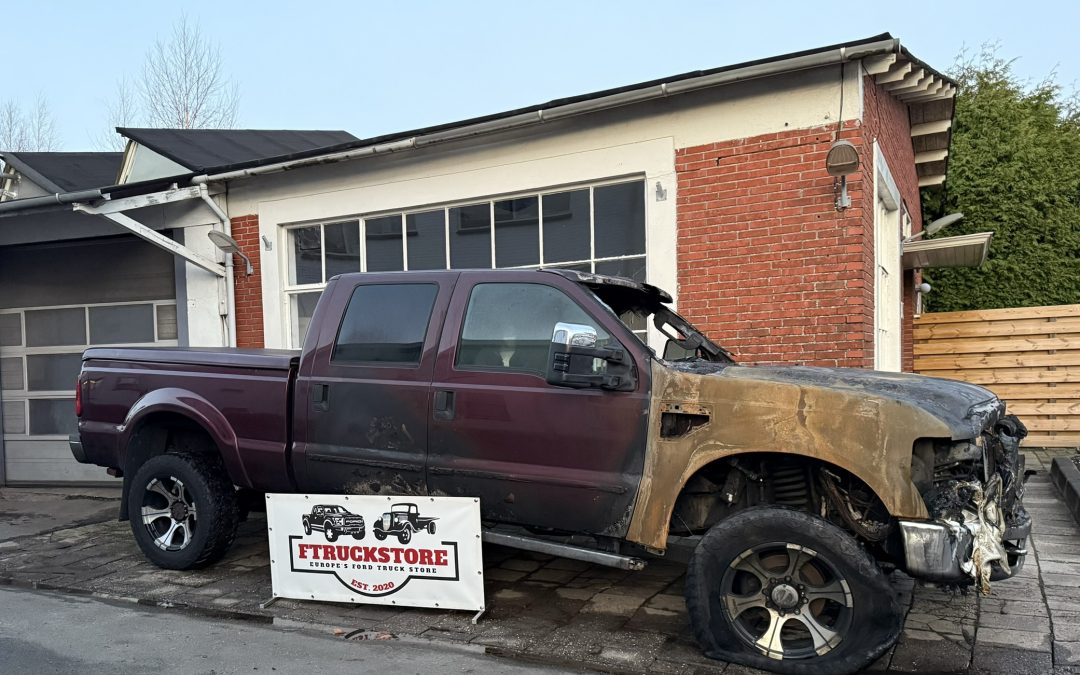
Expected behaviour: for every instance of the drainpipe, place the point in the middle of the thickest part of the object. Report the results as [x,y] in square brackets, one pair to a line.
[229,309]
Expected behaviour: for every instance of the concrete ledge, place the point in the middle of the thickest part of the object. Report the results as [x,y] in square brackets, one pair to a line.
[1065,475]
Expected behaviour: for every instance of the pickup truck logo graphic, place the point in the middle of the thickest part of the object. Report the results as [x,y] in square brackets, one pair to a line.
[375,570]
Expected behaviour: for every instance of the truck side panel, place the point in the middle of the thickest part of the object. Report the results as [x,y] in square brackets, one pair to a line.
[243,409]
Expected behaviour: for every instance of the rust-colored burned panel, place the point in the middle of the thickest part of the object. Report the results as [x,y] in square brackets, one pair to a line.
[870,436]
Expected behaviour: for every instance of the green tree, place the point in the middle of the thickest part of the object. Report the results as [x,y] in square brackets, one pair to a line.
[1014,169]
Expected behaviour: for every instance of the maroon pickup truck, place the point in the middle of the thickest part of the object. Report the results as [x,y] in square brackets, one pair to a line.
[536,392]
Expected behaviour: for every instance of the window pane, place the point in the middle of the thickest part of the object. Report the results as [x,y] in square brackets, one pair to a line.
[303,306]
[166,322]
[470,236]
[121,324]
[427,240]
[510,326]
[14,417]
[342,242]
[52,372]
[619,219]
[566,226]
[384,244]
[11,373]
[10,330]
[517,232]
[53,416]
[386,323]
[53,327]
[306,267]
[633,268]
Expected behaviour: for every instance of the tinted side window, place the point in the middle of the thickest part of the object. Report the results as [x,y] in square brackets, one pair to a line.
[509,326]
[385,323]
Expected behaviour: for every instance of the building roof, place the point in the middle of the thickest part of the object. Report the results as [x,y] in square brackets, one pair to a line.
[66,171]
[199,149]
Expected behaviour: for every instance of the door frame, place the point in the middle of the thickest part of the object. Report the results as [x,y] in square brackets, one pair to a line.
[888,271]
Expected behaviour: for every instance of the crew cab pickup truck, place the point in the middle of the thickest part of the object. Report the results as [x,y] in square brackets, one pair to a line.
[536,392]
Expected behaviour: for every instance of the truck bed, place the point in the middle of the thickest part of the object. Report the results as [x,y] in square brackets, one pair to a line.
[240,396]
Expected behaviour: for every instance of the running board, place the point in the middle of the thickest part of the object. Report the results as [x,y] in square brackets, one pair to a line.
[624,562]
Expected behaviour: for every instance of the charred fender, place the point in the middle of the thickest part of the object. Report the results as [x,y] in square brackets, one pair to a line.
[197,409]
[869,436]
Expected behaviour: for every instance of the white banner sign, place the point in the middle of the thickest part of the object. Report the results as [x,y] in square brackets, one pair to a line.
[406,551]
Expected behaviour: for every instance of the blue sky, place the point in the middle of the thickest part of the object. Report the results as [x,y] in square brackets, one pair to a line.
[372,68]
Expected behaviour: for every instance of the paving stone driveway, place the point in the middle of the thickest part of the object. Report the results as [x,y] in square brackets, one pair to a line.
[563,611]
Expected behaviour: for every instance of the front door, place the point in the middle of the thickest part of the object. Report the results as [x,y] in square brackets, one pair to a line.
[362,393]
[535,454]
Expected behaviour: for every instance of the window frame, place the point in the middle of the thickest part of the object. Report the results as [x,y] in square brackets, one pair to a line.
[289,289]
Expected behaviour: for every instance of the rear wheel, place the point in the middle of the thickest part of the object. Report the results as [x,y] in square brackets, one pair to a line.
[431,527]
[182,510]
[789,592]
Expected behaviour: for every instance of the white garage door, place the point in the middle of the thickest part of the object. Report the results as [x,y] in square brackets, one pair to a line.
[55,301]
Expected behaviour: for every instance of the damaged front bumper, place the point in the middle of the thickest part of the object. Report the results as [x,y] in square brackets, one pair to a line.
[944,551]
[979,528]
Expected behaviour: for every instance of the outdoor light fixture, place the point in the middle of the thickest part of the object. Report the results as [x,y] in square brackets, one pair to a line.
[229,246]
[936,225]
[842,160]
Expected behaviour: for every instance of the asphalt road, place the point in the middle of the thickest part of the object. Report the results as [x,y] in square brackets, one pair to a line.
[45,633]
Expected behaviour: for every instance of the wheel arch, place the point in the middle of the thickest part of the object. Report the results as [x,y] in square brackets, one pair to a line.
[652,527]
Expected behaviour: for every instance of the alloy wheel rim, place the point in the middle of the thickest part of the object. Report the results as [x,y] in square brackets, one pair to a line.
[786,601]
[168,513]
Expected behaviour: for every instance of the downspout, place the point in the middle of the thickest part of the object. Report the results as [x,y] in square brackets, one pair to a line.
[229,281]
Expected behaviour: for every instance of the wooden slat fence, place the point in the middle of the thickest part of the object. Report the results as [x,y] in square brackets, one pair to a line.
[1029,356]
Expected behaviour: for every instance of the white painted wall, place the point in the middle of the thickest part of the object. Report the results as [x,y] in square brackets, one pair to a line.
[633,141]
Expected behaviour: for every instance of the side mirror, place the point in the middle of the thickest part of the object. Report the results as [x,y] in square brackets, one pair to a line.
[673,351]
[575,361]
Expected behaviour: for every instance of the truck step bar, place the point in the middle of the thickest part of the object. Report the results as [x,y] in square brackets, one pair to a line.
[518,541]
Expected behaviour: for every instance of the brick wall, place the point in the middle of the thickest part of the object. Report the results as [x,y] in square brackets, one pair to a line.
[767,266]
[249,308]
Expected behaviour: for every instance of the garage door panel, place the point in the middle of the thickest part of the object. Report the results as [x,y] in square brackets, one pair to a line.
[48,461]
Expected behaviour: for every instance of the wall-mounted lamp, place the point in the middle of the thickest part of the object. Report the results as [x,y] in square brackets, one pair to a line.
[842,160]
[229,246]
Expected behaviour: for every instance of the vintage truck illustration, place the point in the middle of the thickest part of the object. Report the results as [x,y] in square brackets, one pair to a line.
[333,521]
[550,396]
[402,521]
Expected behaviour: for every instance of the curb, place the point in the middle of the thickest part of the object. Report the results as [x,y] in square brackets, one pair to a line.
[1066,477]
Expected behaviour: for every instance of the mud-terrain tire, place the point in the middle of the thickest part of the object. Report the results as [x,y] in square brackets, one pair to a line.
[202,493]
[405,536]
[329,532]
[741,553]
[431,527]
[307,526]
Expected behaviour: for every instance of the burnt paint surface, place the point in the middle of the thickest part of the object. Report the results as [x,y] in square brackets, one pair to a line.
[863,421]
[537,454]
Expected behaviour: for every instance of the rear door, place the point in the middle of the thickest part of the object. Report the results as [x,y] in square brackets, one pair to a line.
[534,453]
[362,394]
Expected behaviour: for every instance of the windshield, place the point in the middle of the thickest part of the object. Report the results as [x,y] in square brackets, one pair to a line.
[636,308]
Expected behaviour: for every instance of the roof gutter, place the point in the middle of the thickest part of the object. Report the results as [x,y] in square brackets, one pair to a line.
[50,200]
[657,91]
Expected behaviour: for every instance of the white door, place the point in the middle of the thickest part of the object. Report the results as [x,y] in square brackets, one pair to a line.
[888,309]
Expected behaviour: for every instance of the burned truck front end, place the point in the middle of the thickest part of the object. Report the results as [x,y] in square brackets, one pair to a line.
[973,489]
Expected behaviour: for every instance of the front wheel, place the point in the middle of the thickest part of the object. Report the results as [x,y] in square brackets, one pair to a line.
[786,591]
[182,510]
[330,533]
[405,536]
[379,534]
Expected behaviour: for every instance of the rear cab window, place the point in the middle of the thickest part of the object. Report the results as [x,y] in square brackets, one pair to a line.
[385,324]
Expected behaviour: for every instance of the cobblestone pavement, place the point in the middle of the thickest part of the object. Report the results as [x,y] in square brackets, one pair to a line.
[564,611]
